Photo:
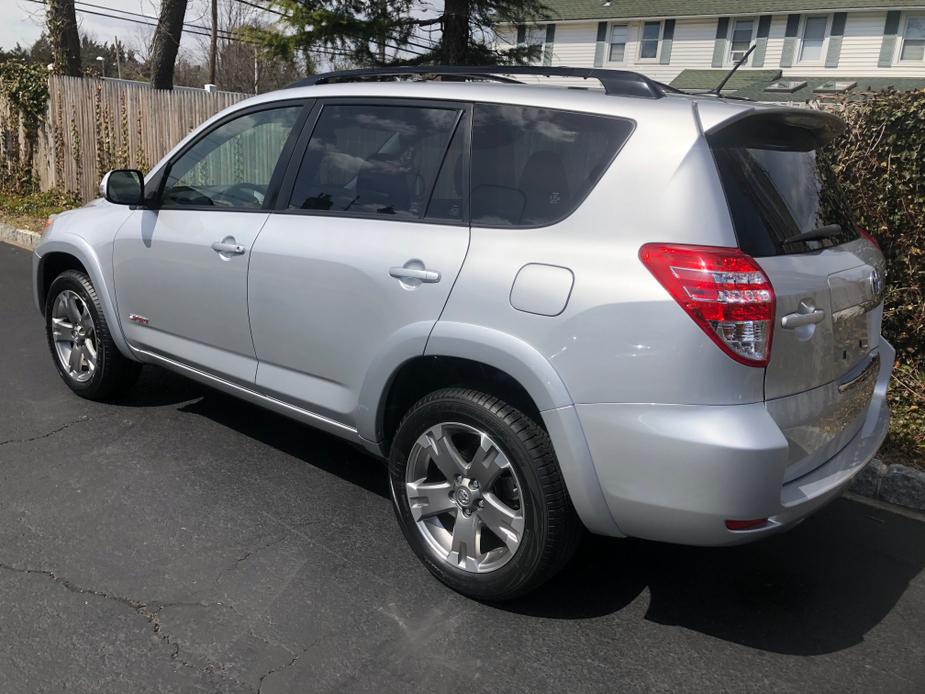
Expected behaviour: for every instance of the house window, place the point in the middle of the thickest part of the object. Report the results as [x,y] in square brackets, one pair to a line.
[741,38]
[914,39]
[536,36]
[813,38]
[648,46]
[618,43]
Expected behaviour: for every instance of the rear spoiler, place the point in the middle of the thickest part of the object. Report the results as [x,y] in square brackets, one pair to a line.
[790,129]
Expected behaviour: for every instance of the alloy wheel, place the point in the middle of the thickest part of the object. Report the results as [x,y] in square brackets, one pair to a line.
[465,497]
[74,336]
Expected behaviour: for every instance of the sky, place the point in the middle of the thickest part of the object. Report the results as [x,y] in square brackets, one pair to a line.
[22,21]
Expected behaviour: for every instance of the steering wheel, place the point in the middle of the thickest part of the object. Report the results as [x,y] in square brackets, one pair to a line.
[248,193]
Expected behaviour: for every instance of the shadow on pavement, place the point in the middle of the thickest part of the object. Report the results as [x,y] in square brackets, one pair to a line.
[817,589]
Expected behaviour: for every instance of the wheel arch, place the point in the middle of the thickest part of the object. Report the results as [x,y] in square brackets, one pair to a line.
[73,253]
[508,368]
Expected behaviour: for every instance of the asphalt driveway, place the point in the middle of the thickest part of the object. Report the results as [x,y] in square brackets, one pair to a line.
[180,540]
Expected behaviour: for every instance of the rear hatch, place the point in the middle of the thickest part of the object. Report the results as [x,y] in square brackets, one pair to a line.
[790,215]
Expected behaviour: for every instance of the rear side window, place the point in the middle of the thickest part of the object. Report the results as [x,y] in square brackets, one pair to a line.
[774,195]
[379,160]
[534,166]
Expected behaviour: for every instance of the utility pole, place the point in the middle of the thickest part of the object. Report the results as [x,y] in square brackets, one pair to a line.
[118,58]
[213,42]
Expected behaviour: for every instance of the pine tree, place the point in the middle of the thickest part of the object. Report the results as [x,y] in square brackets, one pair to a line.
[377,32]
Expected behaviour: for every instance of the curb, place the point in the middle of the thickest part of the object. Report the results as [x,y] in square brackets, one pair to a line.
[895,484]
[19,237]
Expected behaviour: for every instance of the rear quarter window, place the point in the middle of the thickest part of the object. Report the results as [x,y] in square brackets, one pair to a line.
[533,166]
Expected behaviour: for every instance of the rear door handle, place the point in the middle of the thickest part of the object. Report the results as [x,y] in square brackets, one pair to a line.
[807,315]
[798,320]
[410,273]
[227,248]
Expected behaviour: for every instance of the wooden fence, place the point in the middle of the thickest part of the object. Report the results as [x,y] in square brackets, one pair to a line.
[94,125]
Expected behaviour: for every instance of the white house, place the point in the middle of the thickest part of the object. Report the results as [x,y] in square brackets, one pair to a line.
[803,47]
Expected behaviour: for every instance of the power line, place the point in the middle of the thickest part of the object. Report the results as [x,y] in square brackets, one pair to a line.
[141,21]
[136,14]
[225,35]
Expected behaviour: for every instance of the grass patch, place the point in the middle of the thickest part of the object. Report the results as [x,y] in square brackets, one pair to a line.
[906,442]
[31,211]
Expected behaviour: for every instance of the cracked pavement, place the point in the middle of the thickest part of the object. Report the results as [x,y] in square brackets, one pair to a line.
[180,541]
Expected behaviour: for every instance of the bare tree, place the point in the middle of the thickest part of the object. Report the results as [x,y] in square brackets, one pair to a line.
[213,42]
[61,19]
[167,43]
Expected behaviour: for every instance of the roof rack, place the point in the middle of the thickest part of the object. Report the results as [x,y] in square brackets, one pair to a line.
[615,82]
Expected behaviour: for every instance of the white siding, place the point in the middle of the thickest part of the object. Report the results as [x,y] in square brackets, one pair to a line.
[694,40]
[574,45]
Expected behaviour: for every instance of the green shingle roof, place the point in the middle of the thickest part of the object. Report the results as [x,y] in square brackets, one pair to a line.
[865,85]
[595,9]
[708,79]
[752,84]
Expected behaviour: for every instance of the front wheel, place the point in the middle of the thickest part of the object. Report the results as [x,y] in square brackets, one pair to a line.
[80,341]
[479,495]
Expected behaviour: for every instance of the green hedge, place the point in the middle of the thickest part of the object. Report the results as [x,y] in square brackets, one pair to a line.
[880,161]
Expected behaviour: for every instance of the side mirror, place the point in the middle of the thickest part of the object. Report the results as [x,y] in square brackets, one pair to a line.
[123,187]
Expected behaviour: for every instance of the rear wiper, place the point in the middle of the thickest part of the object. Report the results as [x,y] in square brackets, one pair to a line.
[826,232]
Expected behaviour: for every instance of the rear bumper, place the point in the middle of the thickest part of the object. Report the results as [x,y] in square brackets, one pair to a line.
[676,473]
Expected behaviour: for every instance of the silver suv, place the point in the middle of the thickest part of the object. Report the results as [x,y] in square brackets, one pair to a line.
[629,310]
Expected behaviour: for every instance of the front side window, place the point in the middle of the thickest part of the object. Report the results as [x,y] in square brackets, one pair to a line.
[648,46]
[534,166]
[914,39]
[376,160]
[618,43]
[813,38]
[741,38]
[231,166]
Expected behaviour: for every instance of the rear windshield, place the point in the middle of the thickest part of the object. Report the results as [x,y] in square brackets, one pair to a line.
[775,195]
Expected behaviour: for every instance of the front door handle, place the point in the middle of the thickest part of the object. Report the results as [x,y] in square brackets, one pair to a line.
[228,247]
[411,273]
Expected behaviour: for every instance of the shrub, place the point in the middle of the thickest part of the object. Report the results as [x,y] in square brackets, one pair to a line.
[880,161]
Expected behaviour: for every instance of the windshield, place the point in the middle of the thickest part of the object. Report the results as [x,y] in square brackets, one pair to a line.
[774,195]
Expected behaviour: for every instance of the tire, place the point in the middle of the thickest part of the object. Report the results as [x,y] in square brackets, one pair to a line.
[522,501]
[95,377]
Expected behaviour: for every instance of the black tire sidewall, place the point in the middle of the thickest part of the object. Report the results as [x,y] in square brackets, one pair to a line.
[519,573]
[80,285]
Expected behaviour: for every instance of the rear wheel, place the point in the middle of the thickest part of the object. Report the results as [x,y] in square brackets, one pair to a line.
[479,495]
[80,341]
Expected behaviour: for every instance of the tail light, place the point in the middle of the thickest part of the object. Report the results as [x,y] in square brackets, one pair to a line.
[746,524]
[870,238]
[724,290]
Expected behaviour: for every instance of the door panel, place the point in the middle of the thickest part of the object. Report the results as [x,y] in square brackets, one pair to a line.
[181,268]
[350,279]
[323,305]
[193,298]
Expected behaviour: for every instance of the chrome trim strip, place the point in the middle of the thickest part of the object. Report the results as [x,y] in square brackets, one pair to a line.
[246,391]
[872,368]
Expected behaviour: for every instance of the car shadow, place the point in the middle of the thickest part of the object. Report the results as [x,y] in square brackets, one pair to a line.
[817,589]
[814,590]
[157,387]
